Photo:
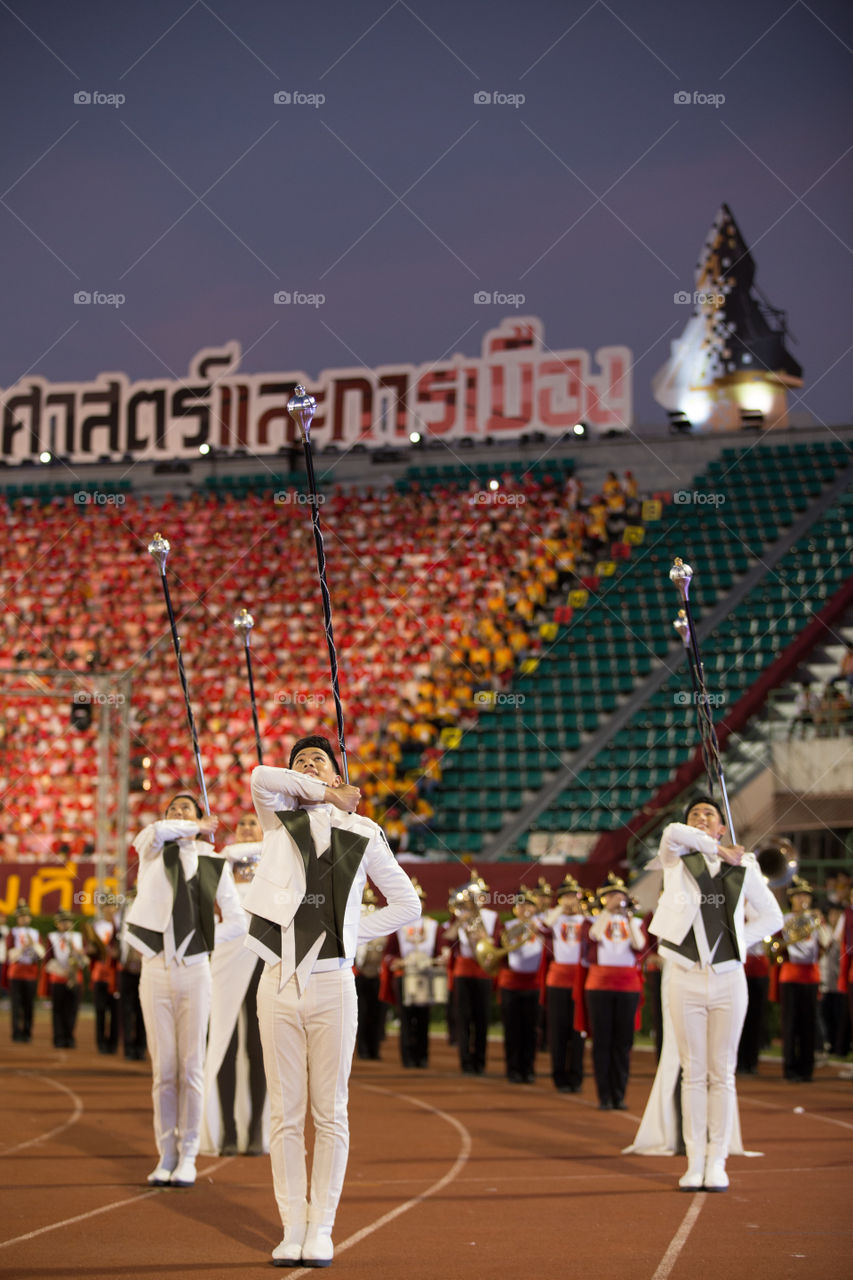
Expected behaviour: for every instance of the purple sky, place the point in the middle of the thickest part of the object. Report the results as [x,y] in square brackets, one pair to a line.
[400,196]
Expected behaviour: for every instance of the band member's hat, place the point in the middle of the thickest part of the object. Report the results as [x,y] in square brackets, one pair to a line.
[612,885]
[419,889]
[368,898]
[22,909]
[569,885]
[527,895]
[799,885]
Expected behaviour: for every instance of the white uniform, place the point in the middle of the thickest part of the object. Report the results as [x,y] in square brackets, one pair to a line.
[307,1005]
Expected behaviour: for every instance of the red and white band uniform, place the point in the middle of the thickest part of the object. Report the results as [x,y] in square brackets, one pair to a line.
[518,985]
[566,1044]
[104,978]
[611,953]
[175,984]
[416,946]
[24,953]
[799,981]
[472,995]
[65,960]
[757,970]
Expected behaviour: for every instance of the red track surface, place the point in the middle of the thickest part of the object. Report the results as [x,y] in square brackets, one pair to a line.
[449,1176]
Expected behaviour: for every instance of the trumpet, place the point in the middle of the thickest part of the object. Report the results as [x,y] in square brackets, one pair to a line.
[801,928]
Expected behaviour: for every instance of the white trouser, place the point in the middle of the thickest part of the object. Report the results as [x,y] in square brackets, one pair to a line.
[308,1040]
[707,1010]
[175,1001]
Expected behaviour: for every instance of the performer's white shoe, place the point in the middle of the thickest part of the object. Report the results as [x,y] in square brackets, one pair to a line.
[716,1178]
[317,1250]
[161,1176]
[184,1175]
[692,1180]
[289,1252]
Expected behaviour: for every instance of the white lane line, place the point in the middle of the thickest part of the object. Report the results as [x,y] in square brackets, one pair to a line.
[679,1240]
[107,1208]
[51,1133]
[813,1115]
[457,1167]
[81,1217]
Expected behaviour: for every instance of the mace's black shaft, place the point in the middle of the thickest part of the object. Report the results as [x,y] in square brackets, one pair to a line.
[190,721]
[327,603]
[254,703]
[707,733]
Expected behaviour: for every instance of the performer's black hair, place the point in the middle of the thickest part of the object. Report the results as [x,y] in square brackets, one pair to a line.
[705,799]
[315,740]
[185,795]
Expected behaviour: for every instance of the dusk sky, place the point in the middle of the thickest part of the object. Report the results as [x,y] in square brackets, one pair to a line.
[400,196]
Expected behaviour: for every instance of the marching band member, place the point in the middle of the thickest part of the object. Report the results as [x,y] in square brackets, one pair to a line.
[306,924]
[757,970]
[130,1008]
[805,937]
[371,1006]
[24,953]
[518,984]
[64,963]
[103,959]
[701,926]
[563,926]
[411,952]
[171,922]
[472,986]
[612,946]
[236,1114]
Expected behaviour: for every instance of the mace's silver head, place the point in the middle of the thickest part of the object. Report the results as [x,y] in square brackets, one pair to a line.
[682,626]
[243,622]
[159,548]
[680,574]
[301,408]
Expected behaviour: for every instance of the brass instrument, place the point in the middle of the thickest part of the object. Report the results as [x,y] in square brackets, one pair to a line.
[801,928]
[778,862]
[463,903]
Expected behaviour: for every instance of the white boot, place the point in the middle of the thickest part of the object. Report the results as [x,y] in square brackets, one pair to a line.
[694,1178]
[289,1252]
[715,1178]
[318,1249]
[184,1175]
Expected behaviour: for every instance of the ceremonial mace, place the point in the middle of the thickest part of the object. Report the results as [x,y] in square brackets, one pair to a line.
[301,408]
[243,623]
[159,548]
[681,576]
